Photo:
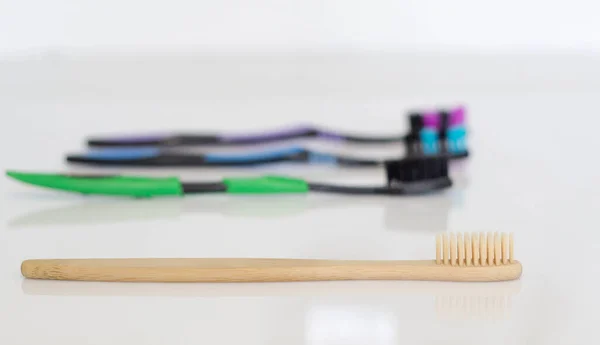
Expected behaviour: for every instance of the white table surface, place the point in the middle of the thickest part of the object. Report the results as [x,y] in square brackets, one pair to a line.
[534,171]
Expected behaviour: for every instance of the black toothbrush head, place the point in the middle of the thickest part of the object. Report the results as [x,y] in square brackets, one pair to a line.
[412,139]
[416,123]
[444,124]
[415,175]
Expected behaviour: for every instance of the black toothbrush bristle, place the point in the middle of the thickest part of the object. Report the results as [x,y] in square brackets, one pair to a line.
[417,169]
[418,174]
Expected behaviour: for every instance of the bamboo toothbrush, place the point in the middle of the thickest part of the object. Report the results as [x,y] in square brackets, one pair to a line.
[472,257]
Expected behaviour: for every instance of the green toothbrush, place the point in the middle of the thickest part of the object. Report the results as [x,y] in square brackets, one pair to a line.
[408,176]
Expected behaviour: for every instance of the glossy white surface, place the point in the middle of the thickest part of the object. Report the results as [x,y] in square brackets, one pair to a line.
[534,171]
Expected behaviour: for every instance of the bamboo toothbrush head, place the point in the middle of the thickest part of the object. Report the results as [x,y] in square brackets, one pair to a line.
[475,249]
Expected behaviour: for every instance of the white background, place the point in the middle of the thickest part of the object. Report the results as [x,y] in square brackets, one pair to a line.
[527,71]
[271,25]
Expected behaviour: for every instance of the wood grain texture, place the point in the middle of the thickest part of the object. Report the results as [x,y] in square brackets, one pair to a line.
[259,270]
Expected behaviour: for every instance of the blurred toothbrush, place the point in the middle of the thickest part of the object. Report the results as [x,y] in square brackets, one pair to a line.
[431,120]
[426,142]
[407,176]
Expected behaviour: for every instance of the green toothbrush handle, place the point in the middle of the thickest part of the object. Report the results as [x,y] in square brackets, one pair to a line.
[157,186]
[142,187]
[265,185]
[107,185]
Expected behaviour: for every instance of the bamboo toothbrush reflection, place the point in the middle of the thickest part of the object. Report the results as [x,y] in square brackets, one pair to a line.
[421,213]
[445,300]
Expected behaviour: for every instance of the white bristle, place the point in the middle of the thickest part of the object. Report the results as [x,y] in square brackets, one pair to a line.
[497,248]
[511,248]
[490,248]
[438,249]
[446,253]
[468,250]
[504,248]
[483,248]
[477,249]
[461,249]
[453,249]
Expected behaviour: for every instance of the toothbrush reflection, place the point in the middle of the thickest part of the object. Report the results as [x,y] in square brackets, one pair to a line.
[339,301]
[419,213]
[423,213]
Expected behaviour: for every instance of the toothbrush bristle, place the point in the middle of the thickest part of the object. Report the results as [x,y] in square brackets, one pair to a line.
[476,249]
[468,249]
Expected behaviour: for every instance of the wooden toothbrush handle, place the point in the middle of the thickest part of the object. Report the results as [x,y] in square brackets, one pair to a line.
[257,270]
